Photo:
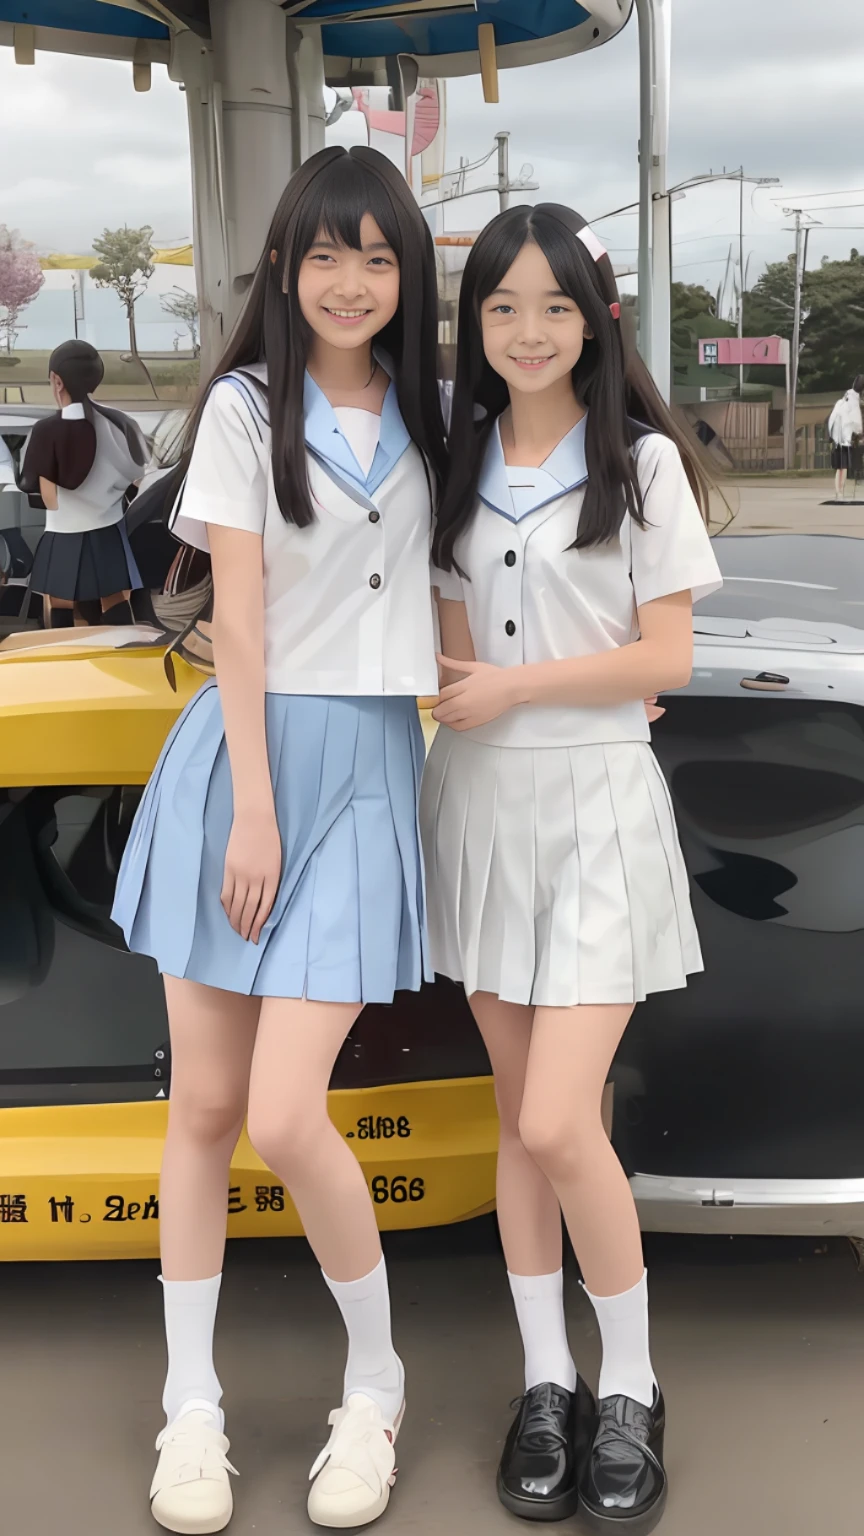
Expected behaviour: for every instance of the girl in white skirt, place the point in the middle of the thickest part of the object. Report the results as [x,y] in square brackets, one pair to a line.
[568,550]
[274,870]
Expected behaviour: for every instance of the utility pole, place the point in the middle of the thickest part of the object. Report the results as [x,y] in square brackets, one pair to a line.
[795,349]
[741,282]
[503,141]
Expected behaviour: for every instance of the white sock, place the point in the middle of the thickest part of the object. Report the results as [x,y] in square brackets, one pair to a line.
[539,1302]
[190,1319]
[373,1366]
[623,1322]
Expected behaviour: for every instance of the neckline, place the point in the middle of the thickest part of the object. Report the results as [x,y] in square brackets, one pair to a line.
[359,410]
[573,435]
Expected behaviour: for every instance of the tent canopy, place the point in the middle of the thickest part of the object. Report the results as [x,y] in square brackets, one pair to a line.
[443,34]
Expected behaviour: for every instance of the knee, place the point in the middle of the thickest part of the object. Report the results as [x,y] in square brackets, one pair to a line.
[556,1143]
[284,1136]
[206,1116]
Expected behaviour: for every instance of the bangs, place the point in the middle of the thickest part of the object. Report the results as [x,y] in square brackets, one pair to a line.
[573,268]
[337,202]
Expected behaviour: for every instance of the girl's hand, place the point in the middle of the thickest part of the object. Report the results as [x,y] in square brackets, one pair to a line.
[253,865]
[653,710]
[483,693]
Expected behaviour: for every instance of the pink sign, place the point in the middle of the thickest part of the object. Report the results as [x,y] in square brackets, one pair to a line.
[427,117]
[726,351]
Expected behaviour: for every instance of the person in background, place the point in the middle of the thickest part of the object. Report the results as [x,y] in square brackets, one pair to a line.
[82,461]
[845,429]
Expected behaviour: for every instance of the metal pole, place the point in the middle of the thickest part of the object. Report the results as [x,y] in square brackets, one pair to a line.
[503,140]
[645,13]
[741,280]
[796,333]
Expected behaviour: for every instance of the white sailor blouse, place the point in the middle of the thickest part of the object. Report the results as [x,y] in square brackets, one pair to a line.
[532,598]
[347,605]
[91,462]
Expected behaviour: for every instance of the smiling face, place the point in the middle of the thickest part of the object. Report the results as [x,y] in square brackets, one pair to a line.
[348,296]
[533,334]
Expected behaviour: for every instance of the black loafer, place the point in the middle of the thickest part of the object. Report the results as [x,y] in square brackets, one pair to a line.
[546,1451]
[626,1463]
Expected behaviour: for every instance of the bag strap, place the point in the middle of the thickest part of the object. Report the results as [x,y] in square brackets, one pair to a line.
[203,617]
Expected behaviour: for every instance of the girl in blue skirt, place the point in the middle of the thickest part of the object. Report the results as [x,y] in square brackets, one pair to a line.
[273,871]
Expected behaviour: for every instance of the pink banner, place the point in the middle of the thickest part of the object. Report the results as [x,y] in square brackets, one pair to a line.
[726,351]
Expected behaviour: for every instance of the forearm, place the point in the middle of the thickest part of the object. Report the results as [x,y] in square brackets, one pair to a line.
[239,658]
[238,652]
[629,672]
[456,641]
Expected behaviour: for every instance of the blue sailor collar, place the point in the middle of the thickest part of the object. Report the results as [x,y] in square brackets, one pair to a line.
[562,471]
[325,439]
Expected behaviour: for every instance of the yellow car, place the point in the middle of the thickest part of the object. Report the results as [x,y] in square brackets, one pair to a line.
[84,1055]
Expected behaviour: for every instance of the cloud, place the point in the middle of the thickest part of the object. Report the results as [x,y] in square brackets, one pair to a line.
[769,84]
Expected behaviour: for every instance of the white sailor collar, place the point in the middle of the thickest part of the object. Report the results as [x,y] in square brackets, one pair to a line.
[562,471]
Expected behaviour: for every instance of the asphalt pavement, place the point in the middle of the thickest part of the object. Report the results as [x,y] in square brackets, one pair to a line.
[759,1345]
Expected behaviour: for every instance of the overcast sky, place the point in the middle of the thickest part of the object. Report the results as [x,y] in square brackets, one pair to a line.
[767,83]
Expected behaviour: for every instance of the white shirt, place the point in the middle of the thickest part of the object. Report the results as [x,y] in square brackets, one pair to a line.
[98,502]
[531,598]
[7,465]
[845,422]
[347,605]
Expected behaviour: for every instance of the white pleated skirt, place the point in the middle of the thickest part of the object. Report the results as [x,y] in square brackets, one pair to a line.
[554,875]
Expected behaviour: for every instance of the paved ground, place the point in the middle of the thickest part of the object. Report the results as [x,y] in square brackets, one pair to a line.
[759,1345]
[788,506]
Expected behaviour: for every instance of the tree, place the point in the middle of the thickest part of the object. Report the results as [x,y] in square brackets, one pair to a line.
[184,306]
[127,267]
[21,277]
[691,305]
[832,324]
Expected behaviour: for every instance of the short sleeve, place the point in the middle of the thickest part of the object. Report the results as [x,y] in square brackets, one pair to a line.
[673,551]
[226,483]
[449,584]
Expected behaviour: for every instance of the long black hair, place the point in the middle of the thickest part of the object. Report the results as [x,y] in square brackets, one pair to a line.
[80,369]
[330,193]
[609,378]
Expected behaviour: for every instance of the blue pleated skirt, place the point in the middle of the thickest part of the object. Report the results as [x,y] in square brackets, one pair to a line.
[348,924]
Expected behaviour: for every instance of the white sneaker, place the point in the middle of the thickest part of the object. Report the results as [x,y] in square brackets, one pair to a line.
[191,1491]
[352,1478]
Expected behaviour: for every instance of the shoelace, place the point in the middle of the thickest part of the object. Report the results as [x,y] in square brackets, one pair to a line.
[542,1430]
[614,1442]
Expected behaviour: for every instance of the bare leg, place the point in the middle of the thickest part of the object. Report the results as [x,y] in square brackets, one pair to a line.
[291,1130]
[212,1036]
[212,1040]
[840,484]
[49,604]
[116,597]
[529,1216]
[561,1126]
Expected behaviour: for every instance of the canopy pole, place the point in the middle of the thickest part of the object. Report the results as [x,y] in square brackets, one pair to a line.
[256,109]
[655,245]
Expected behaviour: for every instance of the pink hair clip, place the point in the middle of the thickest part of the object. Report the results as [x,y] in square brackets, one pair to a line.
[615,310]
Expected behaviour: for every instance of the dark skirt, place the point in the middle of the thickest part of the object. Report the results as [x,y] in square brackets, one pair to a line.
[844,457]
[81,567]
